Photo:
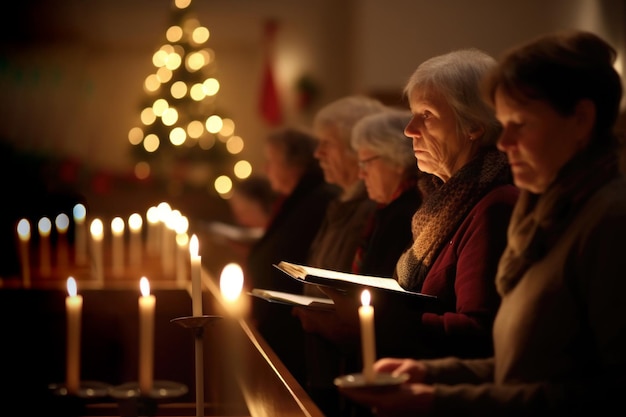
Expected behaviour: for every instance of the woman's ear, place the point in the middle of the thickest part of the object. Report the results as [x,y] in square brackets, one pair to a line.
[476,132]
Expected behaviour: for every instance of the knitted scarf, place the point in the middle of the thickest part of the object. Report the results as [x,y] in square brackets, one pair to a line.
[539,220]
[441,213]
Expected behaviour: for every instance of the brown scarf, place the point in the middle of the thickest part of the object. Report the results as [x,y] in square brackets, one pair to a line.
[538,221]
[444,209]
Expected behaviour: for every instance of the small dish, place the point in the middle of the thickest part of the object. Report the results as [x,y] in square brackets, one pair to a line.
[381,381]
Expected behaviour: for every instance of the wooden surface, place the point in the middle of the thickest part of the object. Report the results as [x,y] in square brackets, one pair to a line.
[242,375]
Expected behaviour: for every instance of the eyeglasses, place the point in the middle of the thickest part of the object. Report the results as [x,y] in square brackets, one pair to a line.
[364,162]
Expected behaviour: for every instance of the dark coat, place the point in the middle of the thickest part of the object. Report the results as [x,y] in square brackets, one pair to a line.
[287,238]
[290,233]
[463,279]
[391,234]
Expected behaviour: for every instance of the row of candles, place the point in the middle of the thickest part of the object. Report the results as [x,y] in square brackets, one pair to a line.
[231,284]
[232,278]
[166,236]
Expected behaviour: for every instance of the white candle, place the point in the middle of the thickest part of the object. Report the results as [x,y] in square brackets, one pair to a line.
[80,234]
[23,233]
[146,337]
[368,344]
[153,237]
[196,276]
[168,243]
[117,245]
[73,308]
[45,226]
[62,223]
[135,223]
[182,258]
[97,228]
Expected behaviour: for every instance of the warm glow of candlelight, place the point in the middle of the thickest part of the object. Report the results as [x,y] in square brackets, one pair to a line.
[182,239]
[80,234]
[62,222]
[73,307]
[152,214]
[117,226]
[97,228]
[193,245]
[23,230]
[45,226]
[368,340]
[146,337]
[153,237]
[181,225]
[80,212]
[196,276]
[71,287]
[231,282]
[366,298]
[135,222]
[163,210]
[144,286]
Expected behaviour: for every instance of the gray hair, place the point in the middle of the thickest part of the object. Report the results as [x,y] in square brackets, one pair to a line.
[341,115]
[458,76]
[383,133]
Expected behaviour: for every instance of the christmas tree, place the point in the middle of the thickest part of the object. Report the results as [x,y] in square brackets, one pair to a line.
[183,136]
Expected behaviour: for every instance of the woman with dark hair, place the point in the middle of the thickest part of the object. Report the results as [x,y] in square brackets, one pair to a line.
[560,332]
[295,175]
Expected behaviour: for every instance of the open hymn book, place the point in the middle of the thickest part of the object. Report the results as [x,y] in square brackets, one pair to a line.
[345,281]
[280,297]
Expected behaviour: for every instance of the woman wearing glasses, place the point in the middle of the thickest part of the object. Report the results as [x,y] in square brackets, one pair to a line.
[387,168]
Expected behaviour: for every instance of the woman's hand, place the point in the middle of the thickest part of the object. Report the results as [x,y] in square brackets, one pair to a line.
[328,325]
[405,400]
[395,366]
[340,326]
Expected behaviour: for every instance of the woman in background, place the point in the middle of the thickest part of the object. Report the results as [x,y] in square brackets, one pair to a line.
[293,173]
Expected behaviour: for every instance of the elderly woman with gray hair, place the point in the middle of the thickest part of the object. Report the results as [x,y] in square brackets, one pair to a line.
[459,230]
[387,167]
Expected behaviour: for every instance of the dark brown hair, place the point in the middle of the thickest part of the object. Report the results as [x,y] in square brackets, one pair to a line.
[562,69]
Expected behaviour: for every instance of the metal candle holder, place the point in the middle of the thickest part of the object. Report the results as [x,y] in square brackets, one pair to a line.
[197,324]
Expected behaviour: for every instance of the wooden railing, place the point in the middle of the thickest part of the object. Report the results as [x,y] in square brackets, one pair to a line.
[242,375]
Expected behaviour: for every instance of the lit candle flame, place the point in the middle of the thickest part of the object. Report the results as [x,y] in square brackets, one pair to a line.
[62,222]
[193,245]
[45,225]
[96,229]
[79,211]
[117,226]
[231,281]
[23,229]
[144,286]
[135,222]
[71,287]
[152,215]
[365,298]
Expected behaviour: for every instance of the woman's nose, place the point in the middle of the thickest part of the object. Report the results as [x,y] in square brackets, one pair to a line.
[412,128]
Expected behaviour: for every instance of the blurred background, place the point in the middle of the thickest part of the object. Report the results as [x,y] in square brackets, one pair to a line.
[77,106]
